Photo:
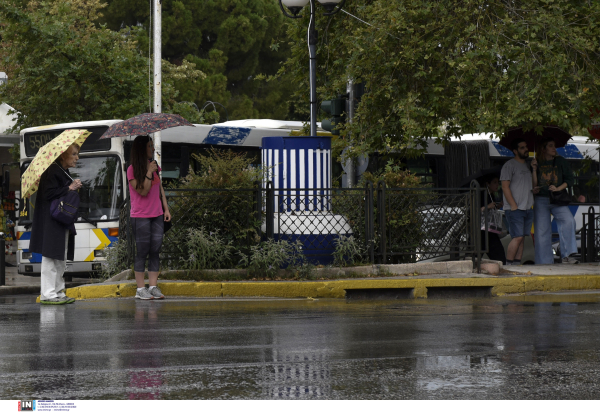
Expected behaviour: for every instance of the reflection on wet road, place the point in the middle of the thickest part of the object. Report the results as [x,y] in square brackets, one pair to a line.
[534,347]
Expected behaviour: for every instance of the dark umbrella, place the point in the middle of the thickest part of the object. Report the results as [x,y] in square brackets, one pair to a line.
[532,138]
[481,176]
[144,124]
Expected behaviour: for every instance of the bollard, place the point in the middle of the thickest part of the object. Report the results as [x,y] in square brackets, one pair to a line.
[2,262]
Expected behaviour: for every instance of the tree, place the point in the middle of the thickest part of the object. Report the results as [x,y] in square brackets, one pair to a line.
[232,41]
[441,69]
[65,69]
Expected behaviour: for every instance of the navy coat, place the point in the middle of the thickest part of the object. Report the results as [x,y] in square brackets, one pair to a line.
[47,234]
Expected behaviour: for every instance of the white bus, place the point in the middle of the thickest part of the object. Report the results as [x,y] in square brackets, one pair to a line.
[101,168]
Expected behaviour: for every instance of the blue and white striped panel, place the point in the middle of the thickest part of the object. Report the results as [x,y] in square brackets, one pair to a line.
[296,169]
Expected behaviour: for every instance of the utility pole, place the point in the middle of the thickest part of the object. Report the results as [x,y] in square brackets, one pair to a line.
[157,31]
[350,115]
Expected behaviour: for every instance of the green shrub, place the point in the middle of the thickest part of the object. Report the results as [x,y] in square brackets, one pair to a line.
[116,261]
[404,220]
[207,250]
[266,258]
[229,208]
[348,251]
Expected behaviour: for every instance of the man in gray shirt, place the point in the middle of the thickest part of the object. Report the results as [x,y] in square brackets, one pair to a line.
[518,192]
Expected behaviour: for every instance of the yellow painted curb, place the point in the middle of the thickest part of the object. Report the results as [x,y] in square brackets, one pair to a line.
[337,288]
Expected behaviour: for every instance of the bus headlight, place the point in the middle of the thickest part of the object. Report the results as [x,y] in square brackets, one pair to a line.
[26,255]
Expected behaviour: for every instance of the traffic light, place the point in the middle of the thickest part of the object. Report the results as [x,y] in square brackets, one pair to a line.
[335,108]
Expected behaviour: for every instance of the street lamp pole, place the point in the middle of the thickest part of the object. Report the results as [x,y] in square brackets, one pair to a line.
[294,6]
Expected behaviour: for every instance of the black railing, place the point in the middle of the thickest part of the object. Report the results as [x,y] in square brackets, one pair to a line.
[389,225]
[590,236]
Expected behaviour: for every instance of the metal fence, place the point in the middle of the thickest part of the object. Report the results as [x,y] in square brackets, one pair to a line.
[590,236]
[390,225]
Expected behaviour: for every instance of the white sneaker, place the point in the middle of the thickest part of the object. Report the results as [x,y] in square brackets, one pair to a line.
[156,293]
[570,260]
[143,294]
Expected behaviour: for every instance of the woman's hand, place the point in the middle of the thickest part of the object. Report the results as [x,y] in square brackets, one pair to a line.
[534,164]
[75,185]
[152,167]
[552,188]
[491,205]
[167,215]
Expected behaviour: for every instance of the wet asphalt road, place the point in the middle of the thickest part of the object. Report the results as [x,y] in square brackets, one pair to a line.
[536,347]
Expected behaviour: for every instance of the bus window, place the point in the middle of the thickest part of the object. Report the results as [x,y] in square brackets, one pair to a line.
[102,193]
[425,168]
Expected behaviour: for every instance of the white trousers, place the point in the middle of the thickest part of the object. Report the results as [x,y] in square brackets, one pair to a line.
[52,282]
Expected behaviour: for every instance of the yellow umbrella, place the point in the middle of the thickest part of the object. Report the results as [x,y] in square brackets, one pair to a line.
[30,180]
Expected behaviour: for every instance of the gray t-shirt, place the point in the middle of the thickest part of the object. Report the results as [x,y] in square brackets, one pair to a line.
[521,185]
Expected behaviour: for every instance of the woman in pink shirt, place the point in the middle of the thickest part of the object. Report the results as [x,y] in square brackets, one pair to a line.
[147,216]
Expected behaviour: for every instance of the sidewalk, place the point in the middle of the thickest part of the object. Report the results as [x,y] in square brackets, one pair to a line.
[28,285]
[515,280]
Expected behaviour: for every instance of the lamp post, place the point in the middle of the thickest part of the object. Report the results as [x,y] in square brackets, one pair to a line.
[295,6]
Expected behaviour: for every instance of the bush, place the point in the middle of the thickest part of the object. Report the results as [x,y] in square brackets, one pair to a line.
[266,258]
[116,261]
[404,220]
[207,250]
[229,209]
[348,251]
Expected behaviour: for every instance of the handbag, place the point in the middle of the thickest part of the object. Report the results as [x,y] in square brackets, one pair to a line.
[65,209]
[559,197]
[494,219]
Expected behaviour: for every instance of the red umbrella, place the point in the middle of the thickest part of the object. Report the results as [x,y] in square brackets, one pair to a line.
[144,124]
[532,138]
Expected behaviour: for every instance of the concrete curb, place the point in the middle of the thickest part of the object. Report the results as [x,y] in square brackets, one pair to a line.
[434,268]
[19,290]
[499,285]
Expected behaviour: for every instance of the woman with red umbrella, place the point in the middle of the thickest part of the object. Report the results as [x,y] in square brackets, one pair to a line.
[552,173]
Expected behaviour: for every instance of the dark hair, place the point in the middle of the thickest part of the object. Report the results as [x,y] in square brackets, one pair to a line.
[489,178]
[139,159]
[541,147]
[514,145]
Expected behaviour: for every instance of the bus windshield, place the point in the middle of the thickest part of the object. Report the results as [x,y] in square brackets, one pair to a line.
[102,192]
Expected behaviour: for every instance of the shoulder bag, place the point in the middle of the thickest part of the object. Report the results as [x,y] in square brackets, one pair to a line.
[559,197]
[65,208]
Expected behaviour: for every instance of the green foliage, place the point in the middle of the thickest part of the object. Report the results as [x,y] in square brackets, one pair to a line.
[266,258]
[116,259]
[442,69]
[394,176]
[229,209]
[223,169]
[348,251]
[207,250]
[65,69]
[229,40]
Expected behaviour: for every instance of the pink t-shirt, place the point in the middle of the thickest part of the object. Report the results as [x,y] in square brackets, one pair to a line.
[145,206]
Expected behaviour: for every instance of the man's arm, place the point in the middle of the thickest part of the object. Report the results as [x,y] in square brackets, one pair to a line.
[508,194]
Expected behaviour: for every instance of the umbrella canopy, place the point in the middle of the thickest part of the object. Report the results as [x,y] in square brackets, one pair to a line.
[47,155]
[481,176]
[532,138]
[145,123]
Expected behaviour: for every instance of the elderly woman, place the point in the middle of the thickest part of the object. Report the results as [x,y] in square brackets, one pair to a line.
[49,237]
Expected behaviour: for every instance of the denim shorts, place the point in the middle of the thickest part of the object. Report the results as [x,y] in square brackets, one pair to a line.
[519,222]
